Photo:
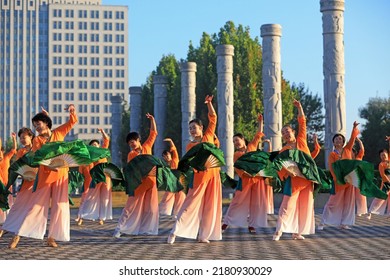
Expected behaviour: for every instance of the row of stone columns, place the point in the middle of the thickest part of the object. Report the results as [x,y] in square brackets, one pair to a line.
[334,92]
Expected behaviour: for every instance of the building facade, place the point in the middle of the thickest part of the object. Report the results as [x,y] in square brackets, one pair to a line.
[56,53]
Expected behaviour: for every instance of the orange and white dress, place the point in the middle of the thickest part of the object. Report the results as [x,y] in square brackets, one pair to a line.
[51,192]
[98,200]
[296,212]
[201,214]
[380,206]
[22,203]
[250,206]
[340,207]
[140,214]
[4,166]
[171,203]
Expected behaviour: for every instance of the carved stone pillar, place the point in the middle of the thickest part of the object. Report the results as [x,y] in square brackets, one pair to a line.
[160,111]
[334,70]
[225,100]
[116,116]
[135,108]
[272,84]
[188,100]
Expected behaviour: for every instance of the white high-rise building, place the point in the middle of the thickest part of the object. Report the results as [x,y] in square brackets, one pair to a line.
[56,53]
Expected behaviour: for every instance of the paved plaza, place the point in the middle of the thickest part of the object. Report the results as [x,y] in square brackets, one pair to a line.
[367,240]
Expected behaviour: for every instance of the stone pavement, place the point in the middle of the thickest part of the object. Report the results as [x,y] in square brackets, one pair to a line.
[367,240]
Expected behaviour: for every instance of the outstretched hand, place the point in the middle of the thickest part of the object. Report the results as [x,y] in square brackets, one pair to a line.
[355,124]
[296,103]
[70,108]
[260,118]
[149,116]
[208,99]
[44,111]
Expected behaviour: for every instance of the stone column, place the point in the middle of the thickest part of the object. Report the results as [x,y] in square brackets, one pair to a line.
[225,100]
[188,102]
[116,118]
[272,84]
[160,111]
[333,70]
[135,108]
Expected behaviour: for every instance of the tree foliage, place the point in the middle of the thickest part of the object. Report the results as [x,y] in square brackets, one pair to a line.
[377,126]
[247,79]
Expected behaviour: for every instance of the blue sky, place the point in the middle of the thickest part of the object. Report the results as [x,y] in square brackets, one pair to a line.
[158,28]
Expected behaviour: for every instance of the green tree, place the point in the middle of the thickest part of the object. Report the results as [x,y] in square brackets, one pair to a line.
[377,115]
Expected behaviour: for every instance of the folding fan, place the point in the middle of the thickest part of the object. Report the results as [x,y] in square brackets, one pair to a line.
[360,174]
[63,154]
[22,168]
[256,164]
[299,163]
[144,165]
[4,192]
[106,169]
[201,157]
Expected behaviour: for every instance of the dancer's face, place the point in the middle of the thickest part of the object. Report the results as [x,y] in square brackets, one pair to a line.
[238,143]
[288,134]
[40,127]
[338,141]
[25,139]
[384,156]
[195,130]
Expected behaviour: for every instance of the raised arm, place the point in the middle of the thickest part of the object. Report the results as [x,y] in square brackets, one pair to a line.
[208,100]
[153,125]
[14,141]
[317,147]
[106,138]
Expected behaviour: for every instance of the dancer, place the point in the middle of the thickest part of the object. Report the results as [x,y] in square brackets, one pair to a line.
[360,200]
[52,186]
[250,204]
[140,214]
[296,212]
[340,207]
[22,204]
[171,203]
[97,204]
[381,206]
[5,161]
[201,213]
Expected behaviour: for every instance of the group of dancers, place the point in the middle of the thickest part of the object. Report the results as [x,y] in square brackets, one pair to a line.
[197,210]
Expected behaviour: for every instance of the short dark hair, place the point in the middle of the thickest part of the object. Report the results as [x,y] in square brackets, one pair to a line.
[26,130]
[338,134]
[43,118]
[197,121]
[94,141]
[133,136]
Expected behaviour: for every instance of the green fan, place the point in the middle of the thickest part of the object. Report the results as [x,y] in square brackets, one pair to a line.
[101,170]
[63,154]
[299,163]
[202,157]
[256,164]
[96,153]
[144,165]
[21,167]
[4,192]
[360,174]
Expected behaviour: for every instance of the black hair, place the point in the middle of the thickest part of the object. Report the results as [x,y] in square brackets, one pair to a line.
[26,130]
[94,141]
[240,135]
[43,118]
[133,136]
[338,134]
[197,121]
